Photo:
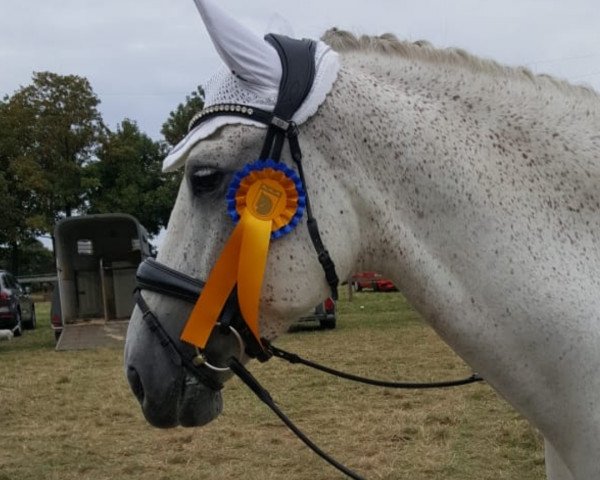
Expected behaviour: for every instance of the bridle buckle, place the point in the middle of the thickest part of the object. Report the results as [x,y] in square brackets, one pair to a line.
[280,123]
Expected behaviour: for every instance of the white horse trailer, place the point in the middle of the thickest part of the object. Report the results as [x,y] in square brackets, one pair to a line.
[96,260]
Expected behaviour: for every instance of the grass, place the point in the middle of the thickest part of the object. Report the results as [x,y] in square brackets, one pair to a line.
[70,415]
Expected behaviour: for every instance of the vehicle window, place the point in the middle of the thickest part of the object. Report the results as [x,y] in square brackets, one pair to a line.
[85,247]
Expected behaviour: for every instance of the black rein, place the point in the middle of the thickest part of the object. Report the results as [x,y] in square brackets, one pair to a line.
[293,358]
[264,396]
[154,276]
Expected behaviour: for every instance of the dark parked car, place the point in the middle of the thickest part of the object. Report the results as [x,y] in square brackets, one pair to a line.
[17,310]
[324,313]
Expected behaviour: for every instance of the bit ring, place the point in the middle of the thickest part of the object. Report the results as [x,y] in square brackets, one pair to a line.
[201,359]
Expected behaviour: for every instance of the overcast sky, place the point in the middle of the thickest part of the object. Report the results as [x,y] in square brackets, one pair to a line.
[143,56]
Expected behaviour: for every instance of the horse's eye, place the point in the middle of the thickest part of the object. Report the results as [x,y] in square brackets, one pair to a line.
[206,180]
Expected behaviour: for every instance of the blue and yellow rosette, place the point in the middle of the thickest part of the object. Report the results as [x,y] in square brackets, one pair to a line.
[266,200]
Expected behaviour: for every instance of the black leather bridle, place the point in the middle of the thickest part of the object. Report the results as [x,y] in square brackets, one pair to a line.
[298,71]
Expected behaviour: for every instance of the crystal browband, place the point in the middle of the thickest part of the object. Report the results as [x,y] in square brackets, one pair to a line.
[252,113]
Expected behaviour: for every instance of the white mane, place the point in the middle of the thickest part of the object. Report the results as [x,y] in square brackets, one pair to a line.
[389,45]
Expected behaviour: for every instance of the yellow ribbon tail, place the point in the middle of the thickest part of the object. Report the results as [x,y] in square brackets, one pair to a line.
[252,262]
[266,200]
[218,287]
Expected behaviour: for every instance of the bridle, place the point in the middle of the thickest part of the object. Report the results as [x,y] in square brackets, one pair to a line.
[298,71]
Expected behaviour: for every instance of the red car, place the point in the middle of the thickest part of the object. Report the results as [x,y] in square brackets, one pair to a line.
[372,281]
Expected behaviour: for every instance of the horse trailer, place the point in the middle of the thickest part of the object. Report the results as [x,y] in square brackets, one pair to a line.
[96,260]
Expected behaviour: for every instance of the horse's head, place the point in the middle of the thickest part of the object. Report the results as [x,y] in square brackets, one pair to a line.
[202,234]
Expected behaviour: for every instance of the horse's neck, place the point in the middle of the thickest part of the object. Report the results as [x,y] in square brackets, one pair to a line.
[459,171]
[478,195]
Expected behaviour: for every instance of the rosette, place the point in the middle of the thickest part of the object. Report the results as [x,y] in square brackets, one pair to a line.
[266,199]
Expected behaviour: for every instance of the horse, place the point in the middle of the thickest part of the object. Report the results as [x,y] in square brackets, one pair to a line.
[472,185]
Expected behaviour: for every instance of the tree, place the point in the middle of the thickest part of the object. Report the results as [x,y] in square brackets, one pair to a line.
[15,198]
[19,218]
[34,258]
[176,127]
[48,133]
[60,111]
[127,178]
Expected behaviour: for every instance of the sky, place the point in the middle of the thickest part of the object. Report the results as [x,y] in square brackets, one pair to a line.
[143,57]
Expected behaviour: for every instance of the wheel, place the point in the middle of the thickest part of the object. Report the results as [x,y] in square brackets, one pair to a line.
[328,324]
[32,322]
[18,328]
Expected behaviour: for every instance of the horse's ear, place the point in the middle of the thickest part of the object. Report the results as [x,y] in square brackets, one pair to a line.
[246,54]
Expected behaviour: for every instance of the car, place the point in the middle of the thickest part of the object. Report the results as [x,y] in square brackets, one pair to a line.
[372,281]
[17,310]
[384,285]
[324,313]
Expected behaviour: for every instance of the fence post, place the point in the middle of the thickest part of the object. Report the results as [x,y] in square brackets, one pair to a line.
[349,288]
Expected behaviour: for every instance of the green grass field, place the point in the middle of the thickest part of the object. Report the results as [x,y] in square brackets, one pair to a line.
[70,415]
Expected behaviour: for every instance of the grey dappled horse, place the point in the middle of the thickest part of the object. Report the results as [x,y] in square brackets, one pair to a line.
[475,187]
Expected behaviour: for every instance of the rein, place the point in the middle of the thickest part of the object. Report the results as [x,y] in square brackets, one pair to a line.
[293,359]
[154,276]
[264,396]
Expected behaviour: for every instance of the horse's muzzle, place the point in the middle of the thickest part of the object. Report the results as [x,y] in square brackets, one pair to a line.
[188,404]
[168,392]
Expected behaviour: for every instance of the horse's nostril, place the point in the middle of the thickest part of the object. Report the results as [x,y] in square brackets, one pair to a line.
[135,383]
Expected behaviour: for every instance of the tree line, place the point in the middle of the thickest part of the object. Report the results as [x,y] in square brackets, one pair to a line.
[58,159]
